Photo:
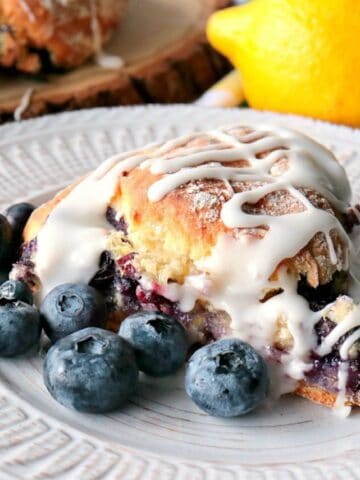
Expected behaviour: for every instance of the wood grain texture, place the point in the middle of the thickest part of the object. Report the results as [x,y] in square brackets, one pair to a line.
[167,60]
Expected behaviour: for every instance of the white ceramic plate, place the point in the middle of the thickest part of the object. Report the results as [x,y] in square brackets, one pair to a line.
[160,434]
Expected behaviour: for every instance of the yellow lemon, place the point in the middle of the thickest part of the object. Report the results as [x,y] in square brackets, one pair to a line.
[299,56]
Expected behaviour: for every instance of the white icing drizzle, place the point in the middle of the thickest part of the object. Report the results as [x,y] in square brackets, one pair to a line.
[23,105]
[341,409]
[236,290]
[75,234]
[310,163]
[27,9]
[348,343]
[111,62]
[234,276]
[95,27]
[105,60]
[50,4]
[351,321]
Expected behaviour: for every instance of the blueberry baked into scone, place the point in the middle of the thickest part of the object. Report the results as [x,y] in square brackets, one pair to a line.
[239,232]
[42,34]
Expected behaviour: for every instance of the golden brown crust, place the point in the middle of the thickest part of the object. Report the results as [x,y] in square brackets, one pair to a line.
[317,395]
[39,216]
[336,313]
[65,31]
[189,223]
[323,397]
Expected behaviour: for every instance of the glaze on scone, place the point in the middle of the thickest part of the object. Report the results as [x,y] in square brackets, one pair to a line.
[35,34]
[233,231]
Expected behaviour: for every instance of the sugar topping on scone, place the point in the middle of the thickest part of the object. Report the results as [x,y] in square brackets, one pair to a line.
[223,229]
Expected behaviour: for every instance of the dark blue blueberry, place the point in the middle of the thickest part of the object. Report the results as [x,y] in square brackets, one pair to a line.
[17,215]
[104,277]
[19,328]
[160,342]
[227,378]
[117,222]
[13,291]
[5,242]
[91,370]
[71,307]
[322,295]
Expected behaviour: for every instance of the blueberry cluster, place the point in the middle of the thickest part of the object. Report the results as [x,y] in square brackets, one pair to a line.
[94,370]
[20,324]
[19,320]
[90,369]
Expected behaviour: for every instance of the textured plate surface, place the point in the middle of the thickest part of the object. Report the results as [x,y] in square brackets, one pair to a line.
[160,434]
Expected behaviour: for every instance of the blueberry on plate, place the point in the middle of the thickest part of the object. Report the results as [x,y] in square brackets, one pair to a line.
[71,307]
[160,342]
[227,378]
[17,215]
[14,291]
[5,241]
[19,328]
[91,370]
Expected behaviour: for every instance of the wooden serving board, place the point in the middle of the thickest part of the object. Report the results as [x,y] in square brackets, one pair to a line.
[167,59]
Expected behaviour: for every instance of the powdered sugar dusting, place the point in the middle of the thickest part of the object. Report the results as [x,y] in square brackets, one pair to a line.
[205,203]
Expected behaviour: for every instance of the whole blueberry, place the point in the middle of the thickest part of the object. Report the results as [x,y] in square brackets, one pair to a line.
[160,342]
[70,307]
[19,328]
[13,290]
[91,370]
[227,378]
[5,241]
[17,215]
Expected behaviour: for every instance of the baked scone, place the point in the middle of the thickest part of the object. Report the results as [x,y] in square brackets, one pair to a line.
[36,34]
[238,231]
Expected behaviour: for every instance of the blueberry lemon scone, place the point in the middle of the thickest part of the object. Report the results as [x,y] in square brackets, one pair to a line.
[240,231]
[36,34]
